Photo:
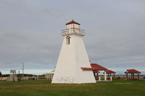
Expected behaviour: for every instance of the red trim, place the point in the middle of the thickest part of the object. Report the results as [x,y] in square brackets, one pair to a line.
[67,40]
[68,36]
[95,67]
[98,67]
[73,27]
[110,71]
[72,22]
[69,30]
[87,68]
[108,75]
[97,76]
[96,71]
[132,71]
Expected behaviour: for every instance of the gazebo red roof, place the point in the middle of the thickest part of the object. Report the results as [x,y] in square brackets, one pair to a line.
[132,71]
[95,66]
[98,67]
[110,71]
[72,22]
[96,71]
[84,68]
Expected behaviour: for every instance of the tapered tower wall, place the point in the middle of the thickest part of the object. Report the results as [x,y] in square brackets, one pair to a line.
[72,57]
[65,71]
[82,60]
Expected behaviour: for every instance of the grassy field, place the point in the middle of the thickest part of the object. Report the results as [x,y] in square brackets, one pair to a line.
[45,88]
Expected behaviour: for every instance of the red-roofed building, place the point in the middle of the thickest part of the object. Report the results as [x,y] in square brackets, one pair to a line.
[132,71]
[96,68]
[72,27]
[95,71]
[68,69]
[109,72]
[72,22]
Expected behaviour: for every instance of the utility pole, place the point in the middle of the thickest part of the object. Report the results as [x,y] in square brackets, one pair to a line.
[23,71]
[18,76]
[1,75]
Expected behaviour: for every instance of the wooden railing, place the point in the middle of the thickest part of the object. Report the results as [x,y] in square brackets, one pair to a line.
[69,31]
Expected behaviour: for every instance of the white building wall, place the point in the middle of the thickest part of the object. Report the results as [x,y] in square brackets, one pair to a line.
[76,26]
[82,60]
[72,57]
[65,71]
[71,26]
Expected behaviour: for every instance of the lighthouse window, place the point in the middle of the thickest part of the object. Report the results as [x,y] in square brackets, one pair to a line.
[67,40]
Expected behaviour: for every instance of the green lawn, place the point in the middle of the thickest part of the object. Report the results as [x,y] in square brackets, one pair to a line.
[45,88]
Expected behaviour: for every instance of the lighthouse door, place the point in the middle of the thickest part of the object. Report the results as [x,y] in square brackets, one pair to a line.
[68,40]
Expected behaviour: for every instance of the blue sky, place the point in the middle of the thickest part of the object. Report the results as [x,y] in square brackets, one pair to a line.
[30,33]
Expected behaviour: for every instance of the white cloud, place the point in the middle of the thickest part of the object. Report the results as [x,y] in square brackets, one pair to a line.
[30,32]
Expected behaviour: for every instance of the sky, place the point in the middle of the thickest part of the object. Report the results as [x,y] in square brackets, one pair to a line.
[30,33]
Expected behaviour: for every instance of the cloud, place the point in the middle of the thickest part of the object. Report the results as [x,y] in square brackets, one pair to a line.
[30,32]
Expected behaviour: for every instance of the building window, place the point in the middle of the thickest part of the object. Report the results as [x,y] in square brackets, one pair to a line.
[68,40]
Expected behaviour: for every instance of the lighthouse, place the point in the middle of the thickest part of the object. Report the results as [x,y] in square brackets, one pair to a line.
[73,57]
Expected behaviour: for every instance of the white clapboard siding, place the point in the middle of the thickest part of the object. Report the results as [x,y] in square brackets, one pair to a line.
[72,57]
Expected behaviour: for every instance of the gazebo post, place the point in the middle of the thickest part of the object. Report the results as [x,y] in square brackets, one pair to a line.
[108,75]
[94,75]
[126,75]
[132,71]
[131,76]
[105,75]
[97,75]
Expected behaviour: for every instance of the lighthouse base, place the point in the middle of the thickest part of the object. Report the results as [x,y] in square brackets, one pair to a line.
[72,58]
[81,77]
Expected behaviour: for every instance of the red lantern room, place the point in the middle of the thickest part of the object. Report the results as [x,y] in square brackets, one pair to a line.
[72,27]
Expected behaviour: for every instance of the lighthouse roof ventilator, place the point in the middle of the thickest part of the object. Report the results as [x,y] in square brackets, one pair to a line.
[72,57]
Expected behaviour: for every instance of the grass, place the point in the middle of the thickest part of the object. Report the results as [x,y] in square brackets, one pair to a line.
[45,88]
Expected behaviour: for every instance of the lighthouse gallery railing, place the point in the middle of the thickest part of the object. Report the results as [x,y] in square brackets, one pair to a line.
[69,31]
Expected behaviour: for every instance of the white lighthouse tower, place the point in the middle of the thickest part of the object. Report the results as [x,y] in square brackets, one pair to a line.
[72,57]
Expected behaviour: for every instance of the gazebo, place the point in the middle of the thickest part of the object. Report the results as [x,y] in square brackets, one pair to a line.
[109,72]
[96,68]
[95,71]
[132,71]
